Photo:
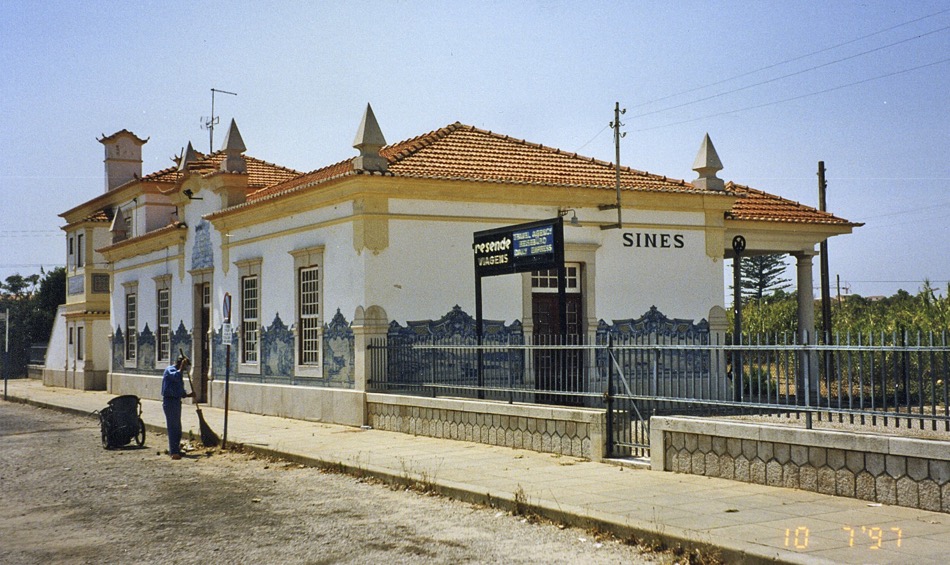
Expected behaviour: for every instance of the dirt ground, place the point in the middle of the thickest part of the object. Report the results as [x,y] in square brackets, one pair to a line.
[65,499]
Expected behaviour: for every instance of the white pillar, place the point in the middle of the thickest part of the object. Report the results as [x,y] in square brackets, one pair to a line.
[806,382]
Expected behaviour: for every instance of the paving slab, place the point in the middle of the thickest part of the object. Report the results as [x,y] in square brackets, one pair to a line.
[744,523]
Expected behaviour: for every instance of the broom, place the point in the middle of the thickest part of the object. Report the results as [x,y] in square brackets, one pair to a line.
[208,437]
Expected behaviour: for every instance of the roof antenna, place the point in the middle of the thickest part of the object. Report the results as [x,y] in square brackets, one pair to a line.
[617,135]
[209,123]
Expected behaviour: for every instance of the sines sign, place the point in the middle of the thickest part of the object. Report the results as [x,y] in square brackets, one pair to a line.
[516,249]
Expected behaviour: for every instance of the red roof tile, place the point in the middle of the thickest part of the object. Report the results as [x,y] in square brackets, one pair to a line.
[461,152]
[261,173]
[761,206]
[467,153]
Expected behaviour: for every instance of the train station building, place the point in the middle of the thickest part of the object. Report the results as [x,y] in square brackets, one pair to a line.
[319,264]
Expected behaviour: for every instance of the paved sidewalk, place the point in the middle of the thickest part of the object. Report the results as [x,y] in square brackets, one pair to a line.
[745,523]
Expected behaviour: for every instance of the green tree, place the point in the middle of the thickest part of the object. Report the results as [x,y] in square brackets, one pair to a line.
[14,285]
[762,275]
[32,313]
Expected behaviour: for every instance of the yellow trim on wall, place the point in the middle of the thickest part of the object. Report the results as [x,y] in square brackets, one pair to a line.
[143,245]
[355,187]
[180,257]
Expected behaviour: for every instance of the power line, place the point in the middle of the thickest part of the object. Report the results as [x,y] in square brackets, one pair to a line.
[774,65]
[789,74]
[825,91]
[596,135]
[30,231]
[792,60]
[909,210]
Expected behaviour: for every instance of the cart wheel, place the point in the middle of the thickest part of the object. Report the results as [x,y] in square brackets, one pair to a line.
[105,440]
[140,435]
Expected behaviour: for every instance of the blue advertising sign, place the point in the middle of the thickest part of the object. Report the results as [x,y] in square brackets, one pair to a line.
[515,249]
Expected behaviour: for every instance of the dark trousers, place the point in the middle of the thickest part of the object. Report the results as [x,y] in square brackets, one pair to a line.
[172,408]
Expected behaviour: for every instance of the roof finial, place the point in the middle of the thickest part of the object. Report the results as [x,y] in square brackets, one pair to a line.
[369,140]
[233,147]
[188,157]
[707,164]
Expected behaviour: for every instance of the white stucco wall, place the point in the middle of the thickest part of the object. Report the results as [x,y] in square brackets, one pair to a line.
[57,348]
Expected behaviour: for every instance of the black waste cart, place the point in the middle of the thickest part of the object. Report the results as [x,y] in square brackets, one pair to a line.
[121,422]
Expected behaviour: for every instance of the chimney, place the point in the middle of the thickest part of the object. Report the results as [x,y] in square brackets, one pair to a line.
[707,164]
[369,140]
[123,158]
[233,147]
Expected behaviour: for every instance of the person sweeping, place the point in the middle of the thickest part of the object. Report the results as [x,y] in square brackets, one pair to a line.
[173,391]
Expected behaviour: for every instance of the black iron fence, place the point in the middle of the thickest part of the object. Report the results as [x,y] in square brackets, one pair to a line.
[886,379]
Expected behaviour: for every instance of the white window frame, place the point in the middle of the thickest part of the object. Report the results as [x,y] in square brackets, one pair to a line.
[80,243]
[248,320]
[80,354]
[308,327]
[130,354]
[546,281]
[163,317]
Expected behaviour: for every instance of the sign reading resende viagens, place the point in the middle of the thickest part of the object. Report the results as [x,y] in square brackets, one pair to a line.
[515,249]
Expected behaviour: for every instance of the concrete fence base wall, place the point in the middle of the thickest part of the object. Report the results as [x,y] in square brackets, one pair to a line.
[891,470]
[330,405]
[576,432]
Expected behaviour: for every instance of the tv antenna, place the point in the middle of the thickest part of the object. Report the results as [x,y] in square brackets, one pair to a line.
[209,123]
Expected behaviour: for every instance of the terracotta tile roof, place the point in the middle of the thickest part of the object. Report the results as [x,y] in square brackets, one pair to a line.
[467,153]
[261,173]
[340,169]
[98,216]
[757,205]
[107,139]
[461,152]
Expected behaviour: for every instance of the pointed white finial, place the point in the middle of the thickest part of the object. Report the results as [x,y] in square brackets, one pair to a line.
[189,156]
[369,140]
[233,147]
[706,165]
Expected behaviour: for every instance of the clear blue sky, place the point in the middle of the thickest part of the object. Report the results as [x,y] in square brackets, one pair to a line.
[548,72]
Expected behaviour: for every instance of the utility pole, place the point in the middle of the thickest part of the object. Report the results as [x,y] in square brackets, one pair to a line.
[6,351]
[825,282]
[828,361]
[209,123]
[617,135]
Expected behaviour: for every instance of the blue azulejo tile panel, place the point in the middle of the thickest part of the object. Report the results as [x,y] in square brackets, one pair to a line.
[277,349]
[181,342]
[338,352]
[643,367]
[145,358]
[202,254]
[414,366]
[118,348]
[654,323]
[220,353]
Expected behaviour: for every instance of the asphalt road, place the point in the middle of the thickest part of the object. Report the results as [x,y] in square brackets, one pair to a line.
[65,499]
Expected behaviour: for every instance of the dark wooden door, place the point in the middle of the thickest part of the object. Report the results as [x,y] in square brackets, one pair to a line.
[560,368]
[204,298]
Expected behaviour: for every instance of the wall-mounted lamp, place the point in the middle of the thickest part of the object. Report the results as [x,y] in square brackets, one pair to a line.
[563,212]
[191,195]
